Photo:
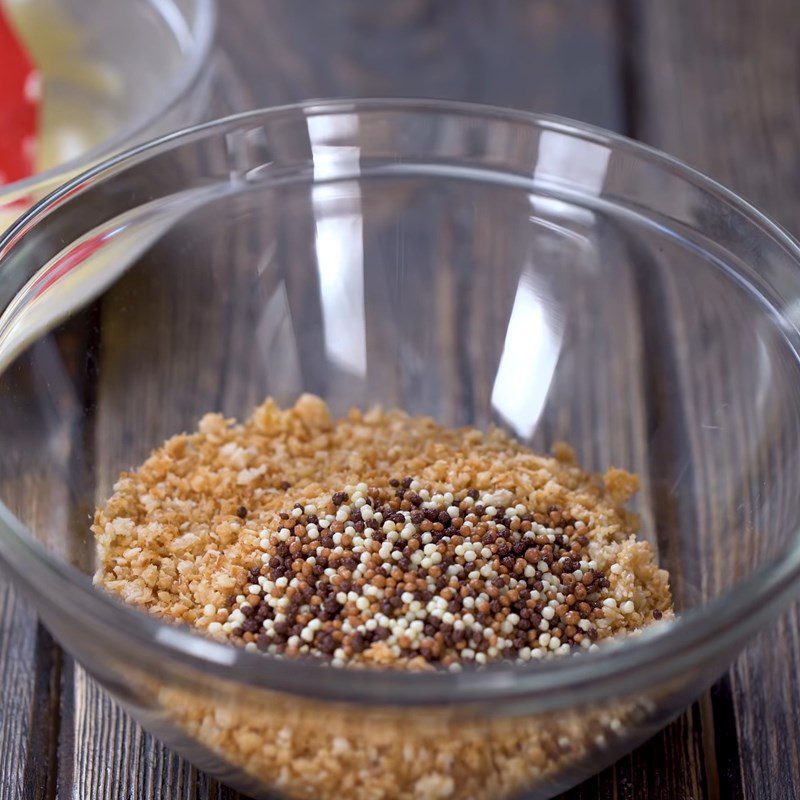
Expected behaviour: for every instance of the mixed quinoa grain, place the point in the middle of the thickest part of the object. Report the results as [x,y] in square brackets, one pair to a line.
[316,751]
[380,540]
[398,574]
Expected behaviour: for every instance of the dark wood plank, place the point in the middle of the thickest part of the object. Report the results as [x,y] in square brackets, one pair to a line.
[17,660]
[39,482]
[41,772]
[552,56]
[114,758]
[744,56]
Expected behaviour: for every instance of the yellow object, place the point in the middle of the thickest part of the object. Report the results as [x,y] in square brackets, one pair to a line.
[77,93]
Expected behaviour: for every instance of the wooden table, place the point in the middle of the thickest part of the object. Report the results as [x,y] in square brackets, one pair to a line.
[716,83]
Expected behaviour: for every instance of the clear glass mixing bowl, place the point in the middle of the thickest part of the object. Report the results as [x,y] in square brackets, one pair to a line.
[113,74]
[475,264]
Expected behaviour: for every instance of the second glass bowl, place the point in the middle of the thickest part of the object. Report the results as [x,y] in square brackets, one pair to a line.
[113,74]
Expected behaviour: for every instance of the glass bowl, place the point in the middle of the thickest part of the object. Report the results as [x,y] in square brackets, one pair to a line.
[113,74]
[475,264]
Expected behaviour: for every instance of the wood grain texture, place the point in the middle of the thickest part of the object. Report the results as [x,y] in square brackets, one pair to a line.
[17,660]
[717,84]
[114,758]
[555,56]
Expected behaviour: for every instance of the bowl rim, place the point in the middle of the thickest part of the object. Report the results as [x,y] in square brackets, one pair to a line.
[183,81]
[696,638]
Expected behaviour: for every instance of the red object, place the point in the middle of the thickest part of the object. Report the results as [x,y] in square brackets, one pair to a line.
[20,90]
[73,258]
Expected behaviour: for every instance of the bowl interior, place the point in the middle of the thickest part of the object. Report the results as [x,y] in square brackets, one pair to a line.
[478,268]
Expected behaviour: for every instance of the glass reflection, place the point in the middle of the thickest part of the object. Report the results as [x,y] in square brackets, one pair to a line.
[275,334]
[339,242]
[530,353]
[573,161]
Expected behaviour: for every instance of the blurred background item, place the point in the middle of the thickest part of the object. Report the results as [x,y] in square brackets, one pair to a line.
[112,74]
